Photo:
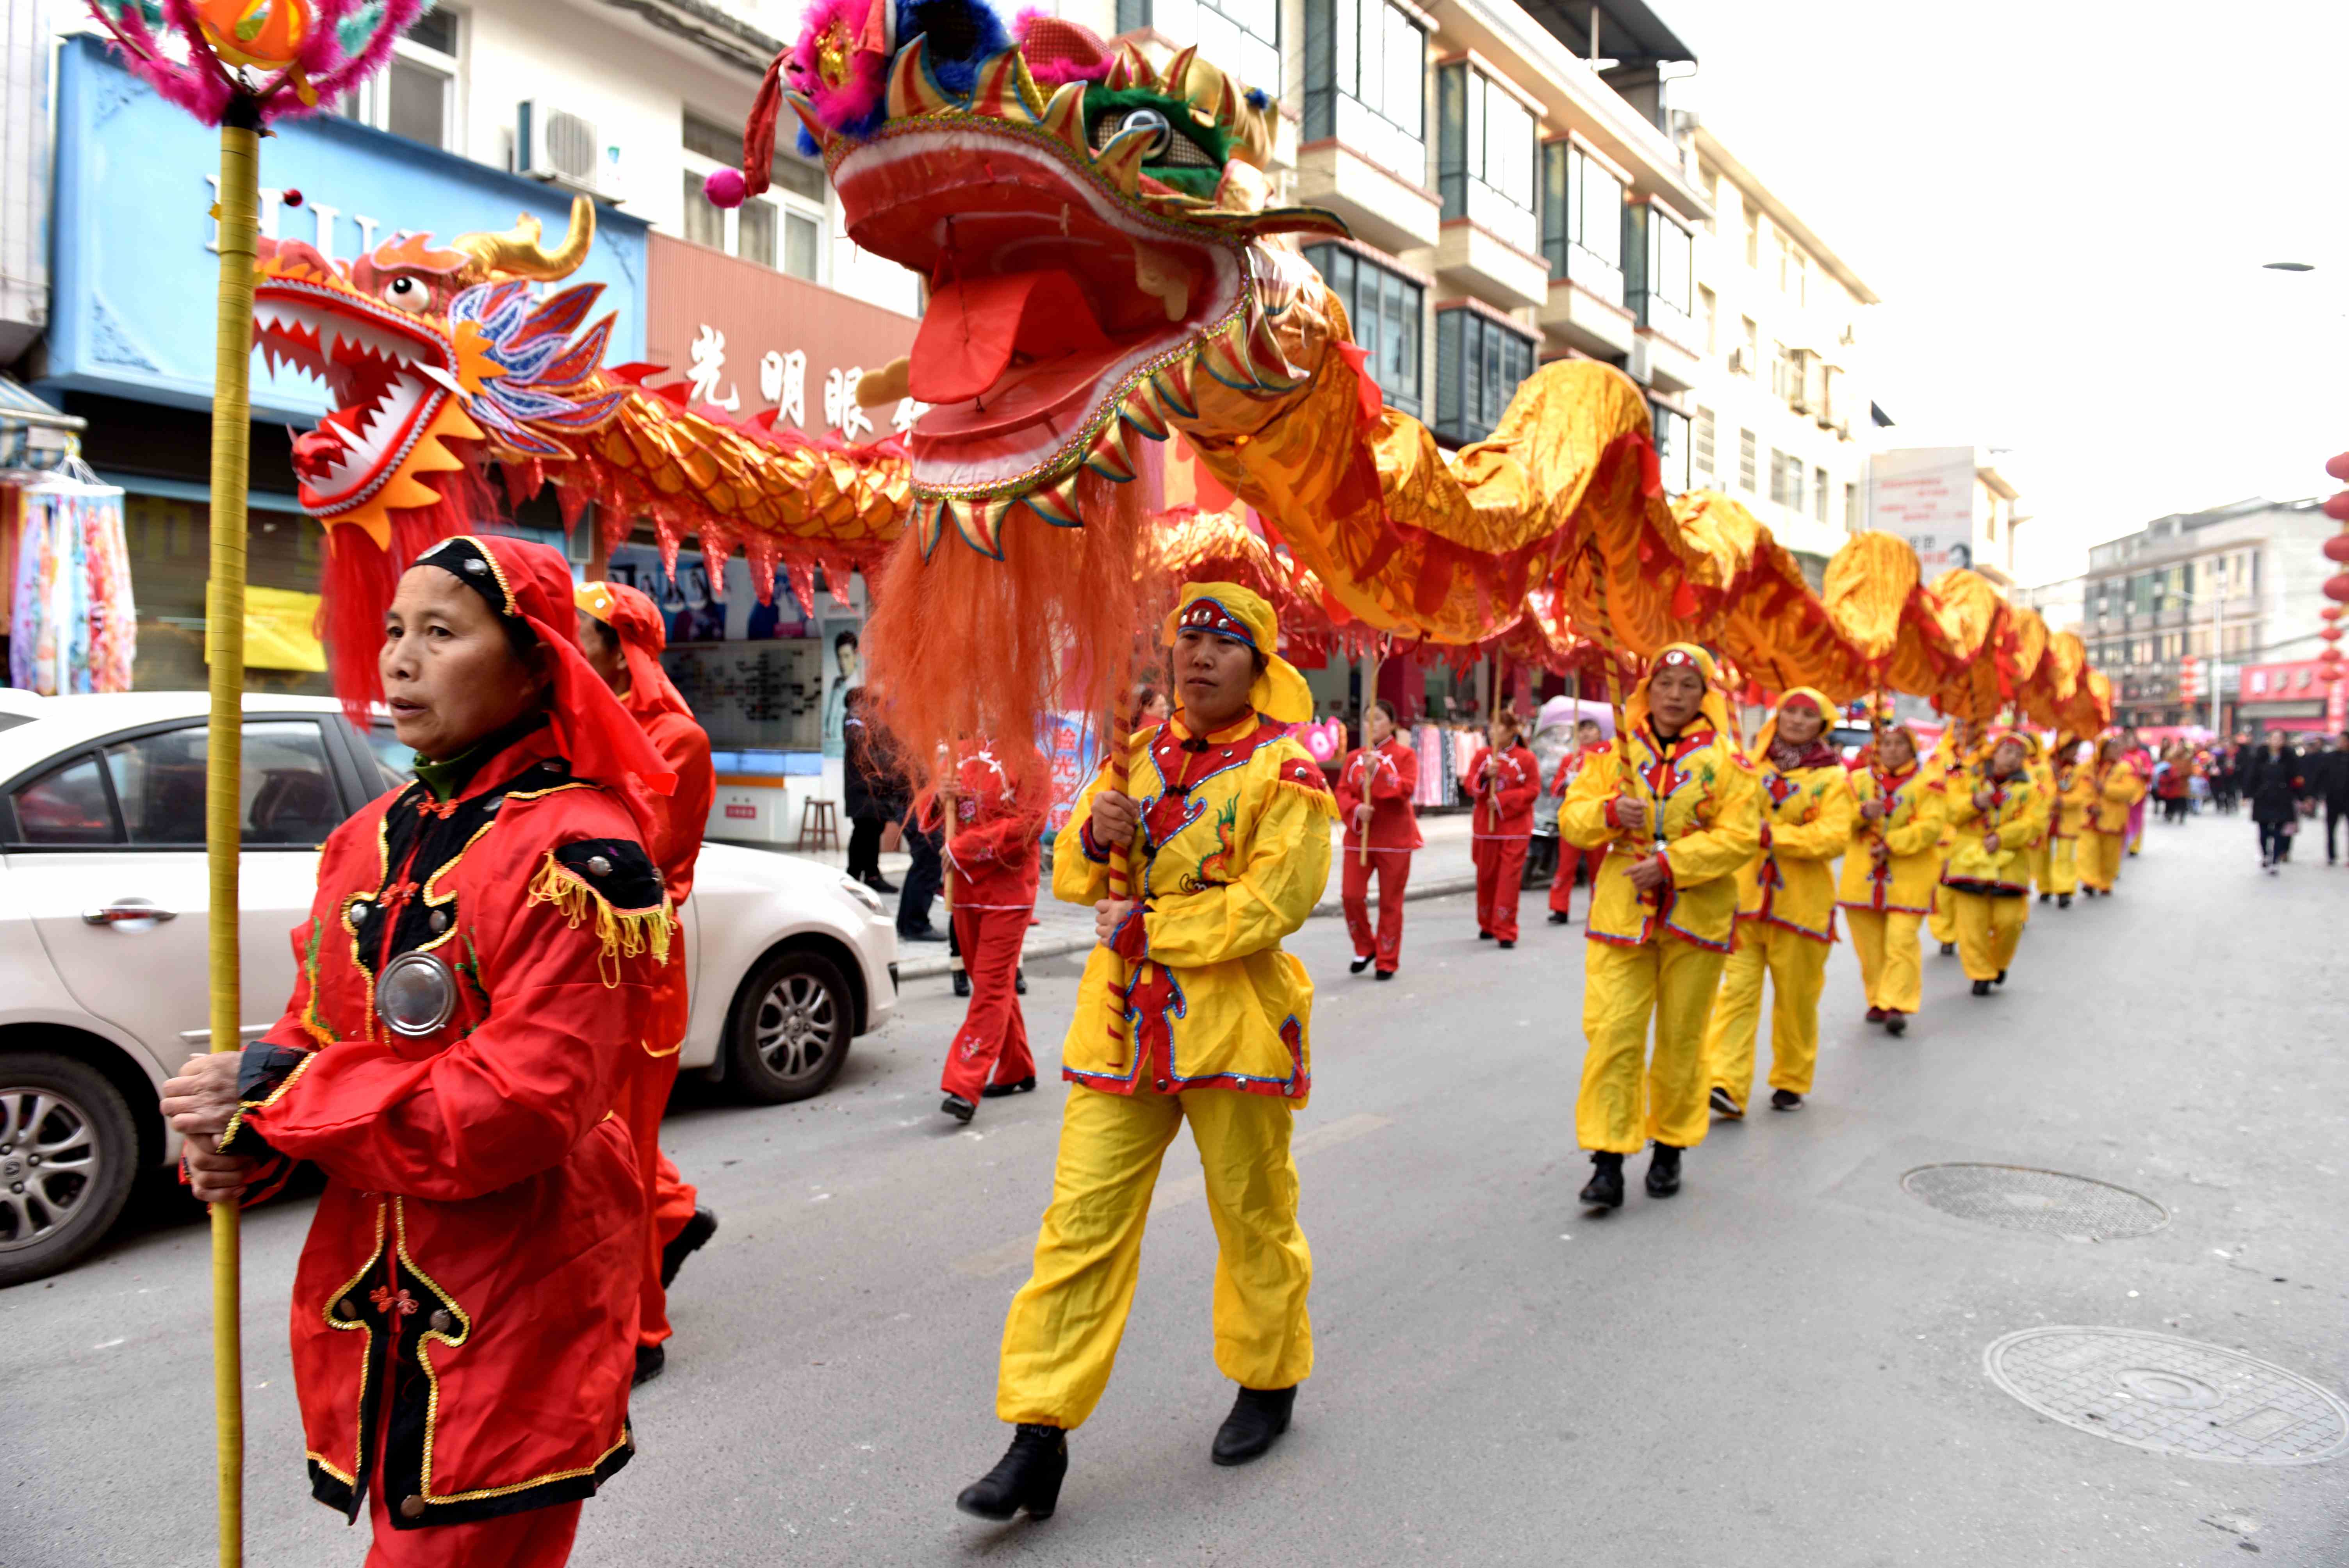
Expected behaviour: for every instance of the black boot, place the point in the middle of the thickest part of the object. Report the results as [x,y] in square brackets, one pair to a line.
[651,1359]
[962,982]
[1027,1476]
[961,1109]
[1896,1024]
[1785,1099]
[1258,1417]
[1019,982]
[2063,900]
[1948,948]
[1981,987]
[2002,978]
[1664,1172]
[998,1090]
[1560,917]
[1605,1187]
[686,1243]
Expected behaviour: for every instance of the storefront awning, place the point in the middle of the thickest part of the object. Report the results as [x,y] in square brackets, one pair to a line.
[31,434]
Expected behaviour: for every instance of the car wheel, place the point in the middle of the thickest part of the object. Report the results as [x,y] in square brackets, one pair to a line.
[69,1150]
[790,1032]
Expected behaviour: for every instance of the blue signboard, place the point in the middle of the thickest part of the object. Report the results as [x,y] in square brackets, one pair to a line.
[135,271]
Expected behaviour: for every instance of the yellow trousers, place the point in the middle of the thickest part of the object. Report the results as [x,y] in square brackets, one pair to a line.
[1621,1106]
[1943,922]
[1891,963]
[1988,930]
[2099,859]
[2042,865]
[1797,968]
[2063,874]
[1061,1335]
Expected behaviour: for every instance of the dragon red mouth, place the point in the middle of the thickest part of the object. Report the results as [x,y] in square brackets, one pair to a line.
[388,372]
[1053,301]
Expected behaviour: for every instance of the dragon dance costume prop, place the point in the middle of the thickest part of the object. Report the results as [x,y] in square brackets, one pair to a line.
[1886,897]
[1503,782]
[1383,777]
[1659,956]
[654,701]
[992,847]
[476,988]
[1990,883]
[1786,914]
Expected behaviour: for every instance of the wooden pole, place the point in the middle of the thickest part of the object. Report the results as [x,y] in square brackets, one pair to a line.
[1121,862]
[1370,768]
[224,748]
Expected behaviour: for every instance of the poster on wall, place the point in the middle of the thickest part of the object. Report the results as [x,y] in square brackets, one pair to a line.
[1068,746]
[1926,496]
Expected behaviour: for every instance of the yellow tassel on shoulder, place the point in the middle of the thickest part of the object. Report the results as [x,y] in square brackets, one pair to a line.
[619,933]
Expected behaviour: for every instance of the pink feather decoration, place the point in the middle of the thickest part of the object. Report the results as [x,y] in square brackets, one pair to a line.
[193,78]
[850,104]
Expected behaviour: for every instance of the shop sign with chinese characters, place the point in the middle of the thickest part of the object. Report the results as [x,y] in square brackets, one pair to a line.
[748,339]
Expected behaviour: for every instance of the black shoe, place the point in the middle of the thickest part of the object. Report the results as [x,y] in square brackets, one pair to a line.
[1605,1187]
[1948,948]
[1258,1417]
[879,884]
[1358,965]
[651,1359]
[1723,1104]
[1382,975]
[2002,978]
[1019,982]
[1027,1476]
[961,1109]
[686,1243]
[998,1090]
[1560,917]
[962,982]
[2045,896]
[1785,1099]
[1484,937]
[1664,1172]
[1981,987]
[924,934]
[2063,900]
[1876,1015]
[1896,1024]
[1507,942]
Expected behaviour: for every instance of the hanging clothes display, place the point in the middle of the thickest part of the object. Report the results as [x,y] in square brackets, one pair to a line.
[1434,752]
[71,627]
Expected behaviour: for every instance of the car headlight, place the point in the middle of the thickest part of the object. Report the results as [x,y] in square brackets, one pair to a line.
[863,896]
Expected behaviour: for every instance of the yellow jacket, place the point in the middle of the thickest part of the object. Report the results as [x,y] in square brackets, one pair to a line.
[1807,814]
[1916,813]
[2113,789]
[2017,814]
[2076,793]
[1226,870]
[1711,822]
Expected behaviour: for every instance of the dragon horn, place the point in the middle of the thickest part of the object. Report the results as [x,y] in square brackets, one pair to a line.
[518,253]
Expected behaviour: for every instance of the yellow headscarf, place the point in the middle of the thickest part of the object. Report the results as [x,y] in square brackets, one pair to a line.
[1817,699]
[1681,656]
[1227,609]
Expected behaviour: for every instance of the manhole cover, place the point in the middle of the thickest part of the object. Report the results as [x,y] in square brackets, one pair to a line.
[2048,1202]
[2172,1396]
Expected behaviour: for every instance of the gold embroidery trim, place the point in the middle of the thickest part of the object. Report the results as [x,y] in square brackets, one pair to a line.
[236,1117]
[367,1349]
[619,933]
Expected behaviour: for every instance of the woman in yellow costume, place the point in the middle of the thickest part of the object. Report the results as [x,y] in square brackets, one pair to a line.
[2041,766]
[2073,798]
[1675,805]
[2114,787]
[1959,749]
[1228,824]
[1997,808]
[1888,876]
[1786,910]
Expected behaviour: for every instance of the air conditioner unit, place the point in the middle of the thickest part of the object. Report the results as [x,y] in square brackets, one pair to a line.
[552,144]
[1738,364]
[1798,402]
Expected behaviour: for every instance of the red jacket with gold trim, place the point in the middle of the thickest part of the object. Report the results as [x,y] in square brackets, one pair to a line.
[993,846]
[1506,810]
[1386,777]
[684,748]
[469,1285]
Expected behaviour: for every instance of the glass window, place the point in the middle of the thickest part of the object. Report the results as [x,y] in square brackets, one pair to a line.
[417,95]
[1701,454]
[1485,157]
[1753,237]
[288,797]
[417,103]
[1708,310]
[1661,271]
[1365,75]
[67,805]
[170,551]
[1582,221]
[1672,437]
[1387,312]
[755,232]
[1479,363]
[1820,494]
[1752,343]
[800,232]
[1745,462]
[1241,36]
[1851,522]
[705,224]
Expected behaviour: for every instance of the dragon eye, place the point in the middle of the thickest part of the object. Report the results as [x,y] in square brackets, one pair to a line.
[408,293]
[1153,121]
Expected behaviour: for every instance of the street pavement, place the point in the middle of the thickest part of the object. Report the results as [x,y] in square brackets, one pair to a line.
[1784,1364]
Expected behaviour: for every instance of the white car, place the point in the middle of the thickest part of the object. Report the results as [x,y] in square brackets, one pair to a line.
[103,977]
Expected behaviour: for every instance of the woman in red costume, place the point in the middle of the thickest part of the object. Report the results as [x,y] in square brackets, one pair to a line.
[1374,791]
[1588,743]
[993,829]
[622,633]
[475,991]
[1503,778]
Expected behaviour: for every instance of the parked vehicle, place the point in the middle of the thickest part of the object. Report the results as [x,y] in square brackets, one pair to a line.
[103,973]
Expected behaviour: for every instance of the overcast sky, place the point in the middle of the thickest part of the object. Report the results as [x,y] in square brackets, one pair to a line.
[2065,207]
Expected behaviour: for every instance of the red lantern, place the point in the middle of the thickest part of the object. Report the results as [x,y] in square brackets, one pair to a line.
[2336,588]
[2331,633]
[2337,547]
[2333,612]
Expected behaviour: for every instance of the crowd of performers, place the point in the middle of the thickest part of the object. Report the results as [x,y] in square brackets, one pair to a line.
[492,994]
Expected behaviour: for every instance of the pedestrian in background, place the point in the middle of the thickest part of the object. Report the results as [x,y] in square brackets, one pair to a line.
[1502,779]
[1374,791]
[1998,808]
[2114,787]
[875,793]
[994,826]
[1888,874]
[1572,862]
[2274,787]
[2329,787]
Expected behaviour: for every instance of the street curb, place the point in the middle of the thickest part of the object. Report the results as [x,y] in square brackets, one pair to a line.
[1042,948]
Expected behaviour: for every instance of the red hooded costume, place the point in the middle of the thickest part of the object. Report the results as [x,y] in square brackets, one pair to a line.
[1383,777]
[474,989]
[1503,784]
[684,747]
[992,847]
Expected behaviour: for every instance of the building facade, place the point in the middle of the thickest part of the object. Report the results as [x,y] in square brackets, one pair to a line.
[1952,504]
[2241,582]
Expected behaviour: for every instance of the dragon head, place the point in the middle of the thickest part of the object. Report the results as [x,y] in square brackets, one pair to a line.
[1091,227]
[433,356]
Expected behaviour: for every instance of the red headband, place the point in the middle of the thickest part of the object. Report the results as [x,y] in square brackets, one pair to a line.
[1204,615]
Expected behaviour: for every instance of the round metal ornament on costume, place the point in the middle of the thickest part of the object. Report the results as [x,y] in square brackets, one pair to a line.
[416,994]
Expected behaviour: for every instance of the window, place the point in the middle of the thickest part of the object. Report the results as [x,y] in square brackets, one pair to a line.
[1752,344]
[1661,271]
[1802,290]
[1485,162]
[1582,220]
[1795,376]
[1778,369]
[1753,236]
[1820,494]
[1710,179]
[1241,36]
[1745,462]
[1708,310]
[1786,479]
[1365,82]
[1479,363]
[1851,519]
[288,796]
[1672,438]
[779,230]
[66,806]
[1388,314]
[1702,452]
[416,96]
[1785,251]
